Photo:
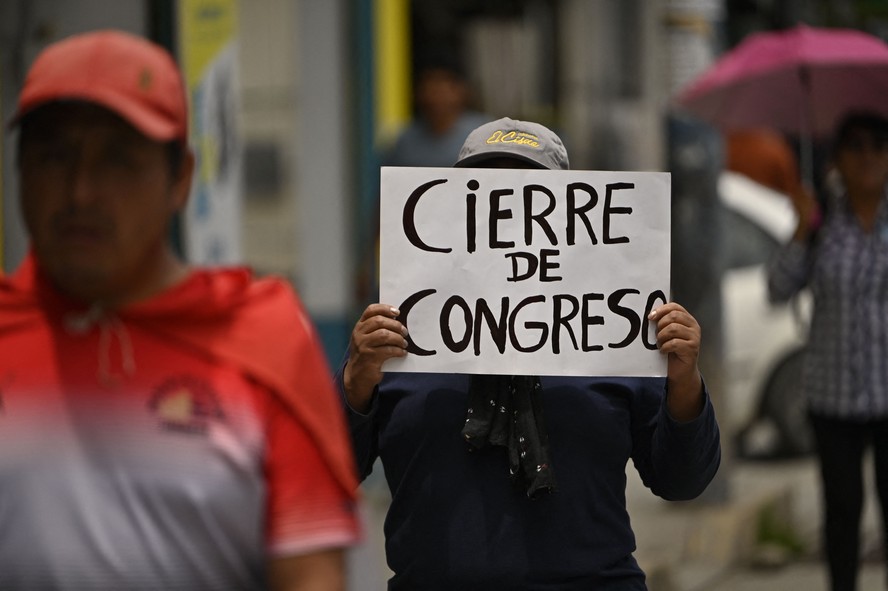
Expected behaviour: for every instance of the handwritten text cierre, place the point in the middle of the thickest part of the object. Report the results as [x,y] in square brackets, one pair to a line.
[536,204]
[508,271]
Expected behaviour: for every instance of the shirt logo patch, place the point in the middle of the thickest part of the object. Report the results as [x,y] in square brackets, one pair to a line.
[185,404]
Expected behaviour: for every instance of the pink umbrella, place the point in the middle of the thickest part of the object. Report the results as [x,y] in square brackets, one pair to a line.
[800,81]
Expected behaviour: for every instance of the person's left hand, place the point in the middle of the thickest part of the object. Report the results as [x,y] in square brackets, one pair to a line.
[678,337]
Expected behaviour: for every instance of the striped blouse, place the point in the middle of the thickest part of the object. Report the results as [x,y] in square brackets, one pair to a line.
[845,371]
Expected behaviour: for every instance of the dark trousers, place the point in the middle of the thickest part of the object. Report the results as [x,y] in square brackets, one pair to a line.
[840,446]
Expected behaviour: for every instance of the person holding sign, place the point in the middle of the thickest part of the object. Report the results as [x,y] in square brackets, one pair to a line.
[518,481]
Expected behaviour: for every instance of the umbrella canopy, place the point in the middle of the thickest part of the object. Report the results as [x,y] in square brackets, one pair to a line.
[800,81]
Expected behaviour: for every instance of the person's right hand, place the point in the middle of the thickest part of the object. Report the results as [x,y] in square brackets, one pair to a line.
[808,210]
[377,336]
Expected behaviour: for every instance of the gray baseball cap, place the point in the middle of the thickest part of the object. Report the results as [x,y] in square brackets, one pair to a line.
[509,138]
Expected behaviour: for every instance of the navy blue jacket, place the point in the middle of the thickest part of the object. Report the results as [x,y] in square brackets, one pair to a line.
[456,521]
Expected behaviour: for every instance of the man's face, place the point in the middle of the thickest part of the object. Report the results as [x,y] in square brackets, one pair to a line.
[862,160]
[505,162]
[441,93]
[97,197]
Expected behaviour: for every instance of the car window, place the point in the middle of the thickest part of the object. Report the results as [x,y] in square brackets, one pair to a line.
[745,243]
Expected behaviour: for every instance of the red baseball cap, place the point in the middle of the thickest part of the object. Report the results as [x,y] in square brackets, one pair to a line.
[128,75]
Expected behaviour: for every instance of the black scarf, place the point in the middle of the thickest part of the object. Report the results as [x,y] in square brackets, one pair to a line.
[507,411]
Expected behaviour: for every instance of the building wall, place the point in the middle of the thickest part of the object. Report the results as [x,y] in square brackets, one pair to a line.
[295,127]
[269,65]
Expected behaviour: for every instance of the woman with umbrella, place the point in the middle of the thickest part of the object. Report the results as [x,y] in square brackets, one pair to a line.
[843,257]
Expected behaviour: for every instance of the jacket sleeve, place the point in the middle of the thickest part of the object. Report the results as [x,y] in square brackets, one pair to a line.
[788,271]
[676,460]
[362,427]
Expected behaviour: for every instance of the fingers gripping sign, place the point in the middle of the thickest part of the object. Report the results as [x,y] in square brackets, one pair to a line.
[377,337]
[678,337]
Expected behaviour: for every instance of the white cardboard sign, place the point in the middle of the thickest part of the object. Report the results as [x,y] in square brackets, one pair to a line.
[526,271]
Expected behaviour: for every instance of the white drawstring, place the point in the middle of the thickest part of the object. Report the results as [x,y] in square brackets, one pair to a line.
[109,326]
[81,323]
[112,326]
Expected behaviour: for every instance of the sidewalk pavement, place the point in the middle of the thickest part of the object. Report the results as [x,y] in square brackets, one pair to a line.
[762,533]
[767,522]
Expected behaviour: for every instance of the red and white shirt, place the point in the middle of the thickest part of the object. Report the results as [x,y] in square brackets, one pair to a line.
[133,460]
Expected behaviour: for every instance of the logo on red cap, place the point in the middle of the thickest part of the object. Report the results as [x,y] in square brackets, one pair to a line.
[128,75]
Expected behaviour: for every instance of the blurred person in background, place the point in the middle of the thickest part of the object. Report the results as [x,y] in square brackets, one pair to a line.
[157,428]
[476,503]
[841,254]
[443,115]
[443,118]
[765,156]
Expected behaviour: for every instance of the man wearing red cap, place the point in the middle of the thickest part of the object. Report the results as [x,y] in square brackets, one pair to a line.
[159,430]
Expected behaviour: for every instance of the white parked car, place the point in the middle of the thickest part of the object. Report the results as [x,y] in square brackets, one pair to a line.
[762,342]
